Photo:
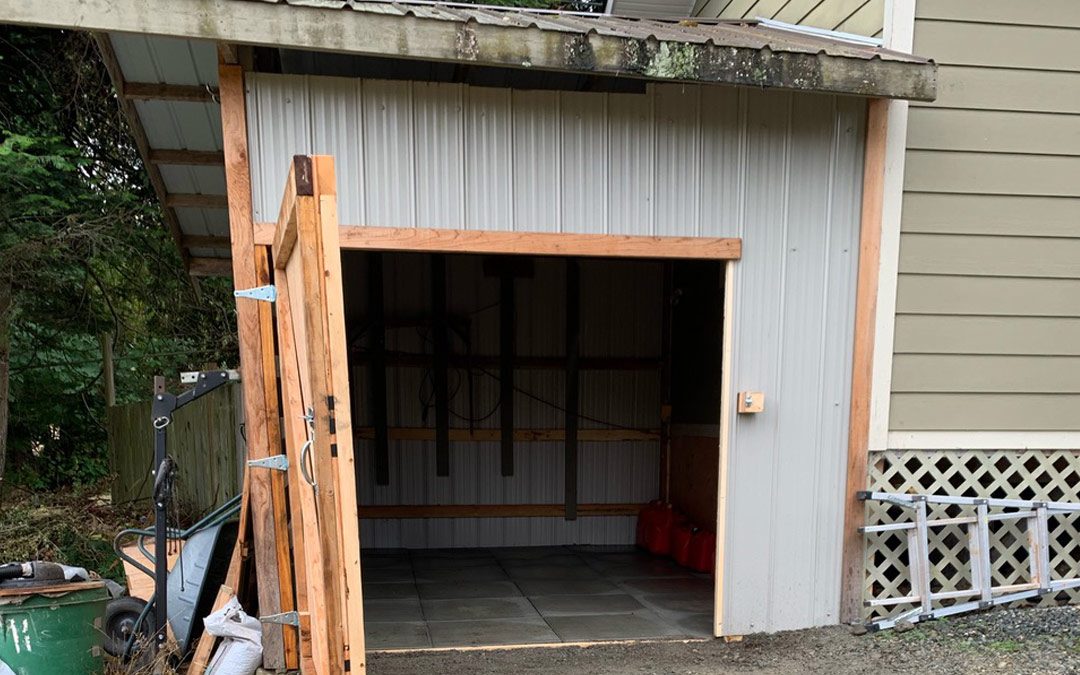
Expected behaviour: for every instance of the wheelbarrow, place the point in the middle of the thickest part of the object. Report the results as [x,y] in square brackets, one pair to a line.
[191,585]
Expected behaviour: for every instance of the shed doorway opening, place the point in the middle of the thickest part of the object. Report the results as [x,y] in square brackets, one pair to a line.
[513,416]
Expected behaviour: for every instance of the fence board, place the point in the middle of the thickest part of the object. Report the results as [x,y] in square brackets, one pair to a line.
[204,440]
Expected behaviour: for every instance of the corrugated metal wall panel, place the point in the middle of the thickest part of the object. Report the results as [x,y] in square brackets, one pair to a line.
[782,171]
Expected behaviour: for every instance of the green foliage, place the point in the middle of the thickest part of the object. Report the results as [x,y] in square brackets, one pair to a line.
[84,252]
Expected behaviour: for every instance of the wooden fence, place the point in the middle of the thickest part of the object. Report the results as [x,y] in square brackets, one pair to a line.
[204,439]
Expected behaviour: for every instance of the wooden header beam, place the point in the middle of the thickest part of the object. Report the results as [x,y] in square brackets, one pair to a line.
[365,238]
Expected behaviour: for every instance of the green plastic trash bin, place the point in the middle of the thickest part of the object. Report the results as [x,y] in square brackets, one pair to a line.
[52,630]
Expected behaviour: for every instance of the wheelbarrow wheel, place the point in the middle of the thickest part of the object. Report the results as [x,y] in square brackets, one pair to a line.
[121,619]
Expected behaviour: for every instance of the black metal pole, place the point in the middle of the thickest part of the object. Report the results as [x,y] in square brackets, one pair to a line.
[161,557]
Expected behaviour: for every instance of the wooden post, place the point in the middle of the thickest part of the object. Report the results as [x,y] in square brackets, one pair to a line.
[440,374]
[507,341]
[851,581]
[378,368]
[108,369]
[266,532]
[573,330]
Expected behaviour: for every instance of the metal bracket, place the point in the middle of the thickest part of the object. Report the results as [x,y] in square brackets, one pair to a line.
[192,376]
[265,293]
[274,463]
[285,619]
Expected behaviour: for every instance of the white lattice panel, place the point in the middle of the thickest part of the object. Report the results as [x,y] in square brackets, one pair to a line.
[1011,474]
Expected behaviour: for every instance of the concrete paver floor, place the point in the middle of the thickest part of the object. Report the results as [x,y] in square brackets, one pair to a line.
[500,596]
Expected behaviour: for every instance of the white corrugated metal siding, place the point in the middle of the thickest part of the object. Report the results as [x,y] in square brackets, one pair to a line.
[782,171]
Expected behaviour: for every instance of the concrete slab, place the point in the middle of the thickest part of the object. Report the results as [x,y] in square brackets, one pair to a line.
[692,625]
[637,625]
[454,575]
[682,585]
[396,610]
[687,603]
[564,559]
[490,632]
[449,563]
[399,573]
[579,571]
[404,635]
[387,591]
[528,552]
[478,589]
[473,609]
[561,605]
[532,587]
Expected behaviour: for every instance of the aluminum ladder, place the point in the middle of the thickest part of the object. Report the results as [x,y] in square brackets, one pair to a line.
[983,593]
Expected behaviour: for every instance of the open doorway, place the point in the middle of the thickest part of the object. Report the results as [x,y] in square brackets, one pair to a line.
[512,417]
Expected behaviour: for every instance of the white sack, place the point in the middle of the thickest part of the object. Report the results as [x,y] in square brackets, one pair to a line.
[240,652]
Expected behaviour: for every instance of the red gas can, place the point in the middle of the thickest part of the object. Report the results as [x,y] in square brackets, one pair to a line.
[681,535]
[658,532]
[646,517]
[703,552]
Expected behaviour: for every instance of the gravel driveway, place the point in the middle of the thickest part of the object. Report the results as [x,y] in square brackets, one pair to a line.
[1020,641]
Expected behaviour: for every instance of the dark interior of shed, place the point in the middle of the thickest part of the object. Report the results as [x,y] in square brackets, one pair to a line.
[513,415]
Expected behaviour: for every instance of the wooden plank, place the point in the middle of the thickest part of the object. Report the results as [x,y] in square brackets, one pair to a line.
[726,405]
[495,511]
[377,371]
[68,587]
[298,182]
[303,273]
[238,180]
[573,390]
[307,548]
[187,157]
[337,377]
[273,443]
[537,243]
[196,201]
[189,93]
[366,238]
[507,348]
[210,267]
[519,435]
[863,357]
[440,369]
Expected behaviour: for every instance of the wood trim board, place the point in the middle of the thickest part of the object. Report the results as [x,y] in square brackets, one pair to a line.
[367,238]
[851,580]
[726,402]
[264,530]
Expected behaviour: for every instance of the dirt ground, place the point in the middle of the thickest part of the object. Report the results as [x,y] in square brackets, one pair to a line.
[1017,641]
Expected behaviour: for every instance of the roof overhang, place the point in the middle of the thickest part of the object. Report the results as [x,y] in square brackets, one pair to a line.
[682,51]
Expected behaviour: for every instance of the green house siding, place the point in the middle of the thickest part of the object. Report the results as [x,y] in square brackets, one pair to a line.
[988,301]
[862,17]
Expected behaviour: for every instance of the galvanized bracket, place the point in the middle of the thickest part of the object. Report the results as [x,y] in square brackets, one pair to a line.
[192,376]
[266,293]
[274,463]
[285,619]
